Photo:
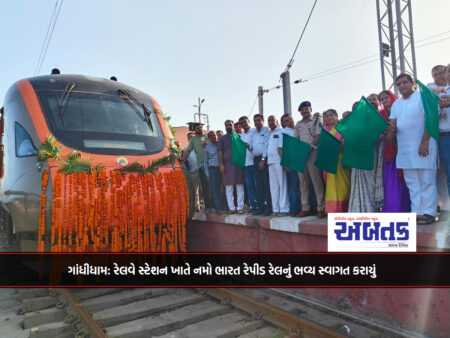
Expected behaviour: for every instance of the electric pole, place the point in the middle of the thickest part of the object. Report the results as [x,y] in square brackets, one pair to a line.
[397,54]
[286,78]
[200,114]
[260,100]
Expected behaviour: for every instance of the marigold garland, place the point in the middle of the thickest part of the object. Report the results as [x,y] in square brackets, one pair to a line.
[116,212]
[131,209]
[43,204]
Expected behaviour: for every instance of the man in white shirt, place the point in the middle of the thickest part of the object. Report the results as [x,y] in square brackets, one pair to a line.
[293,183]
[258,146]
[417,152]
[439,79]
[277,176]
[249,169]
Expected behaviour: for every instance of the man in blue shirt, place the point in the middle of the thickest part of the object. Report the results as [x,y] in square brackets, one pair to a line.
[258,145]
[444,134]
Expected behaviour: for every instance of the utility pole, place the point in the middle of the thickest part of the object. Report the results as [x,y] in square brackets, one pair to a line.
[260,100]
[199,107]
[286,78]
[261,92]
[395,26]
[199,113]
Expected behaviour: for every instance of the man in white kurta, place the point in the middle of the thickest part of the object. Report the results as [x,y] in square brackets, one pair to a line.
[417,152]
[277,176]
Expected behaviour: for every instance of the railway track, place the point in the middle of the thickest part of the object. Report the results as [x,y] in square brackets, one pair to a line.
[168,312]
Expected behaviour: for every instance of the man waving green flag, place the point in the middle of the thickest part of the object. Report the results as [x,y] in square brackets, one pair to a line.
[238,150]
[430,102]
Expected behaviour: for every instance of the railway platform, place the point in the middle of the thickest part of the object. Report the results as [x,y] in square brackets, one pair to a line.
[423,309]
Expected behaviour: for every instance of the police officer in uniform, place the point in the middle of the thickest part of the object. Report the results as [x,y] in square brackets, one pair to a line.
[308,130]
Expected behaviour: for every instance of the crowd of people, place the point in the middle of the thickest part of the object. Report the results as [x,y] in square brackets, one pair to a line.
[410,167]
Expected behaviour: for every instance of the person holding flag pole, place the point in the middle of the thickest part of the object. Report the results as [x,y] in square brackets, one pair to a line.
[232,174]
[415,121]
[293,184]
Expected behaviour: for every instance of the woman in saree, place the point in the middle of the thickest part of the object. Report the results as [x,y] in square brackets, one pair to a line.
[362,185]
[337,185]
[396,193]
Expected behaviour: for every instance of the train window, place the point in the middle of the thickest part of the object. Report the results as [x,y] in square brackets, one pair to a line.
[114,144]
[90,121]
[24,144]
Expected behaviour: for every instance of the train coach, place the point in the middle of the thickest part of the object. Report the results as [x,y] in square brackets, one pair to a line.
[88,164]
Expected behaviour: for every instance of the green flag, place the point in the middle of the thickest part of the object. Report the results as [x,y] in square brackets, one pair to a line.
[431,107]
[363,126]
[238,150]
[294,153]
[328,150]
[353,157]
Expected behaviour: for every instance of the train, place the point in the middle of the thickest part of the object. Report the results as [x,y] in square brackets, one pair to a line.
[86,163]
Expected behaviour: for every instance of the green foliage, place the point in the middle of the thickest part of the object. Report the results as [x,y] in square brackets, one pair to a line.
[135,167]
[174,147]
[151,168]
[48,149]
[76,163]
[156,164]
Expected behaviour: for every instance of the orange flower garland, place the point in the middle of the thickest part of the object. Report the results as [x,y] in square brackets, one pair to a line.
[116,212]
[41,230]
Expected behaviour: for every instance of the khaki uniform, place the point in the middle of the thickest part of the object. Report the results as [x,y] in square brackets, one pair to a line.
[307,131]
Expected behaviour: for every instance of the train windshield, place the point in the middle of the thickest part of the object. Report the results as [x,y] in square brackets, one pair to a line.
[103,124]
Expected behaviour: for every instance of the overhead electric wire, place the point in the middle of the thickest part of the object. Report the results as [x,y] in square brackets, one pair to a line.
[45,39]
[301,36]
[345,66]
[432,42]
[253,106]
[340,70]
[433,36]
[48,36]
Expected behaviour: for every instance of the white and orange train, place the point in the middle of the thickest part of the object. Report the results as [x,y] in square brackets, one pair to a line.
[112,124]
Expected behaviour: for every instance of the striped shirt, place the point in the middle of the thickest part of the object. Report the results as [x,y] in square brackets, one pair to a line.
[210,157]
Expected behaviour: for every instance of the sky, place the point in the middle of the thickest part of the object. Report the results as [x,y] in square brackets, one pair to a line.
[219,50]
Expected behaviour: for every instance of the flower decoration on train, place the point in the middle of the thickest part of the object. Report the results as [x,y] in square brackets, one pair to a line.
[135,208]
[49,149]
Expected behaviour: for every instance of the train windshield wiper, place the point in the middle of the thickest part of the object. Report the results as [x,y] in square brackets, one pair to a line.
[135,101]
[64,100]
